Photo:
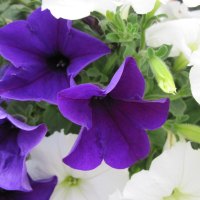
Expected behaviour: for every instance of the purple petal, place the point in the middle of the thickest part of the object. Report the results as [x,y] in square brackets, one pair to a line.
[128,82]
[82,49]
[42,190]
[87,152]
[20,84]
[16,141]
[146,114]
[42,28]
[74,103]
[113,137]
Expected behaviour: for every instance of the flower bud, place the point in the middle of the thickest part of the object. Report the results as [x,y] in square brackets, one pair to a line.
[189,131]
[162,74]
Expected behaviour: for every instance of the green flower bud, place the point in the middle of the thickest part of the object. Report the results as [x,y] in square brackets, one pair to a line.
[189,131]
[162,74]
[180,63]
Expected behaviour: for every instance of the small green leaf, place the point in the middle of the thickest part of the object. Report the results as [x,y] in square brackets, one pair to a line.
[177,107]
[54,120]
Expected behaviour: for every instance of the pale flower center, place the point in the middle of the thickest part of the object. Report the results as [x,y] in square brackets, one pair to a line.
[177,195]
[70,181]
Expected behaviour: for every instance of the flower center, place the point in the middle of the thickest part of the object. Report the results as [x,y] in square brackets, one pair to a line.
[177,195]
[58,62]
[70,181]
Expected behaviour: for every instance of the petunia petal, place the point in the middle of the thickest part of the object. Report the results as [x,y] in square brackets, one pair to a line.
[42,190]
[113,137]
[86,153]
[147,114]
[49,153]
[195,83]
[82,49]
[23,85]
[74,103]
[69,9]
[15,144]
[143,6]
[128,82]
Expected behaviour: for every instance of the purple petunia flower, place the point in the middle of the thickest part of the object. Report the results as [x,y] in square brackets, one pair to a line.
[16,141]
[45,53]
[114,119]
[42,190]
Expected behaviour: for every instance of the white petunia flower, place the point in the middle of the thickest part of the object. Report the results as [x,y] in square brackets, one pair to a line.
[46,160]
[174,175]
[182,34]
[78,9]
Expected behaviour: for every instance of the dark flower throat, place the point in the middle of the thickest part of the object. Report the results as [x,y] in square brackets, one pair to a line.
[58,62]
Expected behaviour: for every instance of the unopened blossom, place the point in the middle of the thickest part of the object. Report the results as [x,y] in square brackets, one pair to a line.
[174,175]
[46,161]
[41,190]
[45,53]
[113,119]
[16,141]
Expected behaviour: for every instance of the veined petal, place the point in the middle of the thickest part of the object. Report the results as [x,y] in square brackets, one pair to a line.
[145,185]
[15,144]
[74,103]
[118,141]
[56,147]
[143,6]
[128,82]
[179,33]
[23,84]
[146,114]
[67,9]
[195,83]
[41,190]
[82,49]
[86,153]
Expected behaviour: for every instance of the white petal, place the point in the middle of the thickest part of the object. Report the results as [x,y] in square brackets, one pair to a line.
[104,5]
[105,183]
[174,10]
[146,185]
[195,82]
[142,6]
[46,159]
[72,193]
[191,3]
[69,9]
[170,164]
[191,175]
[179,33]
[116,196]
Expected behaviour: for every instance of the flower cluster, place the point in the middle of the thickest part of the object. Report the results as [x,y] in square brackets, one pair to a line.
[85,104]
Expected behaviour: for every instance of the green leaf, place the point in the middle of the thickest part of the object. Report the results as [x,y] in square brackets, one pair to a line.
[158,137]
[112,37]
[177,107]
[189,131]
[54,120]
[164,51]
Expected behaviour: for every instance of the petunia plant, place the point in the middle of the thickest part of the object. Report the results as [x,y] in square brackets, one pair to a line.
[92,92]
